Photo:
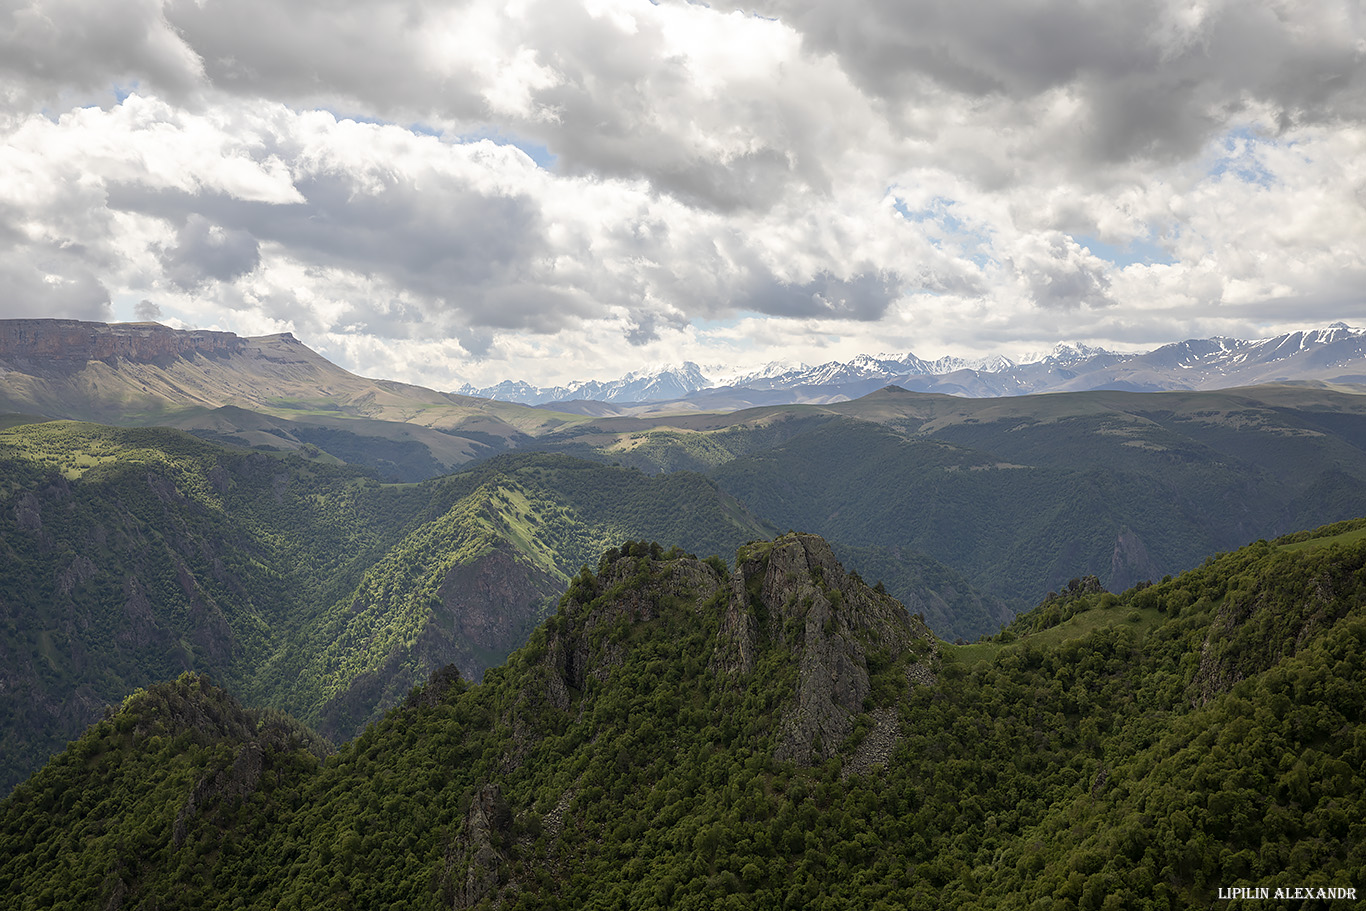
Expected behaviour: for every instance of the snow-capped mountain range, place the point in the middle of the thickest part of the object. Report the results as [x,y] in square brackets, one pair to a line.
[1336,353]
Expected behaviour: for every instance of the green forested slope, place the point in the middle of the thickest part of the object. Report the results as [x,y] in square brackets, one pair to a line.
[141,791]
[671,739]
[130,555]
[1021,505]
[469,585]
[951,606]
[1020,494]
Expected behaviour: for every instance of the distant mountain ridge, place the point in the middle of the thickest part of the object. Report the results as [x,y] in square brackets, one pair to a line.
[1335,354]
[270,392]
[637,386]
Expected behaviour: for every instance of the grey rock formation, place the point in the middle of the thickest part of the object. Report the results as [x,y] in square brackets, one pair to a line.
[476,860]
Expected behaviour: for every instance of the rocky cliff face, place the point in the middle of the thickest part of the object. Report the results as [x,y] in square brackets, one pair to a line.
[75,341]
[1131,563]
[1258,626]
[794,594]
[832,657]
[637,589]
[842,638]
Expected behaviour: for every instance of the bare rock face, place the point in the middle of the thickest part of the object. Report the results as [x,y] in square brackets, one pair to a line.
[835,624]
[484,609]
[476,860]
[1250,632]
[1130,563]
[876,749]
[791,594]
[78,341]
[490,603]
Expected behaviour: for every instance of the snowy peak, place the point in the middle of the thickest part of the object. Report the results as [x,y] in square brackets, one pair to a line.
[948,364]
[1300,341]
[654,385]
[1333,353]
[767,372]
[1063,354]
[638,386]
[1338,342]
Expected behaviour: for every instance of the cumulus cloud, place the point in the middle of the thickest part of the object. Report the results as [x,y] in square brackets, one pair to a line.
[1152,79]
[865,296]
[52,284]
[74,50]
[1057,272]
[810,182]
[206,252]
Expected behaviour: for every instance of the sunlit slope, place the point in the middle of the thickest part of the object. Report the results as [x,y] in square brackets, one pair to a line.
[468,586]
[128,555]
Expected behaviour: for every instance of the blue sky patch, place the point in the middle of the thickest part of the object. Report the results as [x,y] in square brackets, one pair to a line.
[1141,251]
[974,244]
[1238,156]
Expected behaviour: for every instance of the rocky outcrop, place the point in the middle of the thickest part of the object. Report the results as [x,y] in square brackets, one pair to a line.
[476,861]
[877,746]
[193,707]
[221,787]
[552,824]
[441,682]
[233,783]
[489,605]
[844,638]
[78,341]
[484,609]
[643,584]
[1130,563]
[801,599]
[1253,630]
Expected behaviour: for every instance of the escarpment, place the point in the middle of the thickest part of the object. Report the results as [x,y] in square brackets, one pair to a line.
[78,341]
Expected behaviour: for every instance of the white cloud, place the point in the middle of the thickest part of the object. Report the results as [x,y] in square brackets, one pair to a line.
[834,178]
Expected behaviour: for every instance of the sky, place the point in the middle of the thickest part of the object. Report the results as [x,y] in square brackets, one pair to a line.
[549,190]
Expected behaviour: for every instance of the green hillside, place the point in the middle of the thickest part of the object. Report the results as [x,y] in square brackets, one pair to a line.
[1004,499]
[1020,503]
[678,736]
[130,555]
[950,604]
